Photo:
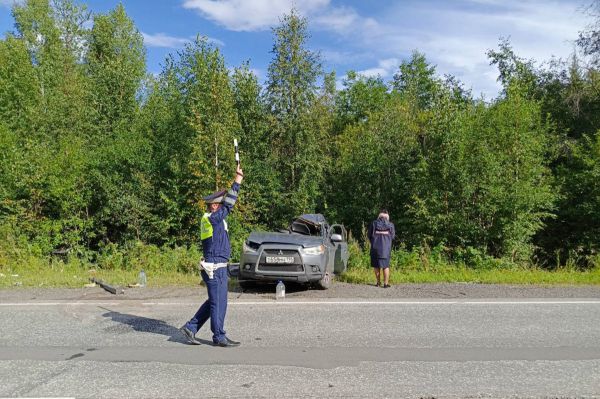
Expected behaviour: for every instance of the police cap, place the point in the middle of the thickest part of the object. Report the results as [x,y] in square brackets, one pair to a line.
[215,198]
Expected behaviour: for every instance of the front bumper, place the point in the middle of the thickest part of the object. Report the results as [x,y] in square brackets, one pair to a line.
[304,269]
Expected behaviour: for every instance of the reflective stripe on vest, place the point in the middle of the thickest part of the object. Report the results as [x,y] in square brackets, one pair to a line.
[206,229]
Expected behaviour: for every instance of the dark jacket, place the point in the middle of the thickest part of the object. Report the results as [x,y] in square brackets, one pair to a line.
[381,233]
[217,249]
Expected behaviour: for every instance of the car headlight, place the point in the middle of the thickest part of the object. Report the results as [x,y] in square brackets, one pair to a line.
[319,250]
[249,247]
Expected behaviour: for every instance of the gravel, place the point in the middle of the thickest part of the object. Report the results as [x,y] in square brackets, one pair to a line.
[338,290]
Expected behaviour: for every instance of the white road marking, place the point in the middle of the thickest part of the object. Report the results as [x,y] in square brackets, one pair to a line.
[324,302]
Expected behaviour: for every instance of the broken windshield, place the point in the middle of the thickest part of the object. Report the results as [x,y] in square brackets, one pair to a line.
[307,225]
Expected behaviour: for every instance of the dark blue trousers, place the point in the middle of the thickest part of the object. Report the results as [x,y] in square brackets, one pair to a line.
[214,307]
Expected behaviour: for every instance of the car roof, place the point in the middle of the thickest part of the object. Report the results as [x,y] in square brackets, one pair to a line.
[314,218]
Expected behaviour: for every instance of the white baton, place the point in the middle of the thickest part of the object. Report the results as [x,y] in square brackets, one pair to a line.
[237,154]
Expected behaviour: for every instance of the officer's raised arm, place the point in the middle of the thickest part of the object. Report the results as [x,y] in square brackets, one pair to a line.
[229,198]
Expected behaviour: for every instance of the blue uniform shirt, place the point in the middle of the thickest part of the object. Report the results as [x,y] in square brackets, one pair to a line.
[381,233]
[217,248]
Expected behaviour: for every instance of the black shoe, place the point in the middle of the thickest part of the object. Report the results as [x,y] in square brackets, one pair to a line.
[387,286]
[378,285]
[189,336]
[227,343]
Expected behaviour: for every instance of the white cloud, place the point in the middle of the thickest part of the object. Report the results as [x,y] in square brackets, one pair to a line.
[384,68]
[10,3]
[456,38]
[244,15]
[338,19]
[163,40]
[344,56]
[255,15]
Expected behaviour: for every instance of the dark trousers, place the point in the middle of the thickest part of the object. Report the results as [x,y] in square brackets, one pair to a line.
[214,307]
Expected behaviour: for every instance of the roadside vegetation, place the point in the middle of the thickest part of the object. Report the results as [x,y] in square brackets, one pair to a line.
[435,266]
[103,165]
[177,267]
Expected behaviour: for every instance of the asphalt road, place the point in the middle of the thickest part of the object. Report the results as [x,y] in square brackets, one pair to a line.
[446,340]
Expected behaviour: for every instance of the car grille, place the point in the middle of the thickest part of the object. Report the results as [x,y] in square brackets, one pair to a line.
[295,266]
[280,268]
[281,252]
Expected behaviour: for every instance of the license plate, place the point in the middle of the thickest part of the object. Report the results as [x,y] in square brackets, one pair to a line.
[280,259]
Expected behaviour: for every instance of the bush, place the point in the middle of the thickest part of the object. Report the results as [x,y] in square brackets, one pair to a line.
[137,255]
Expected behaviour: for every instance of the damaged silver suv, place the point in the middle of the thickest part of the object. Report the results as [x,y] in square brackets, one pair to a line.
[309,251]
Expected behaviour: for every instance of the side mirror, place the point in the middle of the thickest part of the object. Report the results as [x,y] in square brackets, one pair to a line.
[336,238]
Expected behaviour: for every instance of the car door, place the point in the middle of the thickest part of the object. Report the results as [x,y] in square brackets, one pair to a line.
[330,249]
[341,253]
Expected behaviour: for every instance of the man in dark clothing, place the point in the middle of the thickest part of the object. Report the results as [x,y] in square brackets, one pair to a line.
[216,249]
[381,233]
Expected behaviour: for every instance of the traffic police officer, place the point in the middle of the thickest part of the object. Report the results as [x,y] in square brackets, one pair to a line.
[216,249]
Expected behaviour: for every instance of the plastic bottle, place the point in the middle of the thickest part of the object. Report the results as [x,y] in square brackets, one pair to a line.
[142,278]
[280,290]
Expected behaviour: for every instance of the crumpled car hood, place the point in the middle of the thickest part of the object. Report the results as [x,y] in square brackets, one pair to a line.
[285,238]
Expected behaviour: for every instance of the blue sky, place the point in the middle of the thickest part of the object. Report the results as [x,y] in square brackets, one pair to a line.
[371,37]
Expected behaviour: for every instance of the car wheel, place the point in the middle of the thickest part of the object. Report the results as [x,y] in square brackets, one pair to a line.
[325,282]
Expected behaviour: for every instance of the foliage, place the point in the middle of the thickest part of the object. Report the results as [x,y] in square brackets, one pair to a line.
[416,80]
[575,231]
[262,181]
[589,40]
[106,165]
[291,93]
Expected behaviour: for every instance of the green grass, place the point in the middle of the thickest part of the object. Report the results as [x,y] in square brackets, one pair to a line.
[70,276]
[464,274]
[114,265]
[424,265]
[119,266]
[75,276]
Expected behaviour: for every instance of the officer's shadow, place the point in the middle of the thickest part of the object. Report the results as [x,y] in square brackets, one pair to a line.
[147,325]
